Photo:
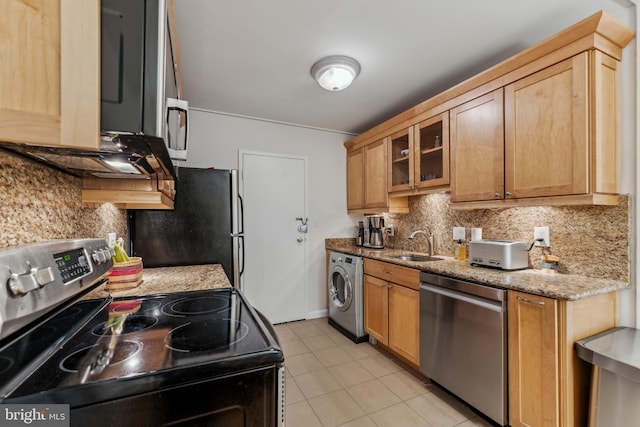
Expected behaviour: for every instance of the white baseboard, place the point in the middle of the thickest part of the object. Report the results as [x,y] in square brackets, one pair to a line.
[317,314]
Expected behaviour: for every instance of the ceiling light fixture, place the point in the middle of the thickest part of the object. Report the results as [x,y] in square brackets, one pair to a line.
[336,72]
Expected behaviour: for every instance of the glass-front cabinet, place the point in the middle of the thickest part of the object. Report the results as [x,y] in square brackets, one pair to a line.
[400,145]
[419,155]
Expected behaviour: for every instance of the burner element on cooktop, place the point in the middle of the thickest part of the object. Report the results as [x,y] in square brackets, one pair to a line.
[196,305]
[206,335]
[89,358]
[131,325]
[5,364]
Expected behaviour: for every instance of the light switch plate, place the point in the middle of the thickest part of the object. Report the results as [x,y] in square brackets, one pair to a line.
[459,233]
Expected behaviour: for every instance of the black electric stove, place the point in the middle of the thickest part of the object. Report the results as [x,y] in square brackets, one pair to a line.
[187,358]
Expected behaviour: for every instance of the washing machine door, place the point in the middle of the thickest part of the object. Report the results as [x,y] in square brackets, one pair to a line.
[340,289]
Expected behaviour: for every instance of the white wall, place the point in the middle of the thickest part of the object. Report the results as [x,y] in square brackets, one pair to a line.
[215,139]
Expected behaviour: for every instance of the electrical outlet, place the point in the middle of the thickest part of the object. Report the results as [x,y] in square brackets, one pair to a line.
[459,233]
[542,233]
[391,231]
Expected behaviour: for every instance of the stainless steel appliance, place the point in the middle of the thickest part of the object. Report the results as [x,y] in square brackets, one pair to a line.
[375,237]
[138,73]
[346,295]
[204,228]
[503,254]
[463,341]
[121,155]
[188,358]
[615,380]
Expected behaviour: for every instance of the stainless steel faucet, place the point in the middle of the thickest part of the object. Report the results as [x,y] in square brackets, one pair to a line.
[429,235]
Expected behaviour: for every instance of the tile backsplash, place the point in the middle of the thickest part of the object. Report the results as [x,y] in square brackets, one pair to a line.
[40,203]
[592,241]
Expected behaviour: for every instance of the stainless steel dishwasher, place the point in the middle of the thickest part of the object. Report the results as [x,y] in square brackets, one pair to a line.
[463,341]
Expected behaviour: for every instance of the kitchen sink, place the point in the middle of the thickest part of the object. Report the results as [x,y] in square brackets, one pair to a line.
[417,258]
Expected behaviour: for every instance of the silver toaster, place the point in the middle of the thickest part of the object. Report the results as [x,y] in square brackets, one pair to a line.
[504,254]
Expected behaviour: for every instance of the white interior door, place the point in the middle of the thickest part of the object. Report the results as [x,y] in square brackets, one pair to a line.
[274,194]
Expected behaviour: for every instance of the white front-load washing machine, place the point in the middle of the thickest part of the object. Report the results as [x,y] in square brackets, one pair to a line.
[346,295]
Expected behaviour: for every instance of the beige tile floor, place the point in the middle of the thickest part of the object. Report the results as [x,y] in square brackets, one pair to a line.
[333,382]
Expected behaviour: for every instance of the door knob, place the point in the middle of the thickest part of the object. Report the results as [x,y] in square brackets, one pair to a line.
[300,239]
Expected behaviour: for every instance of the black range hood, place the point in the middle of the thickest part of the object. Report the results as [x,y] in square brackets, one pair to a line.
[121,155]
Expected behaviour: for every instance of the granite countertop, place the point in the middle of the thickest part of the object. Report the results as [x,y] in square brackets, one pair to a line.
[558,286]
[170,279]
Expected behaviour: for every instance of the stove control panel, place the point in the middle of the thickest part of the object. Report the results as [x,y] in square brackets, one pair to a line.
[37,277]
[101,256]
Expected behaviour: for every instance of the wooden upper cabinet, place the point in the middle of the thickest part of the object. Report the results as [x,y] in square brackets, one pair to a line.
[431,152]
[538,129]
[50,73]
[477,149]
[604,128]
[355,179]
[560,136]
[375,177]
[419,156]
[547,131]
[400,154]
[366,178]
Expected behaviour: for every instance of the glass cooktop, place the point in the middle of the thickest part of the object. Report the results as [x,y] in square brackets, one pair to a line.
[131,344]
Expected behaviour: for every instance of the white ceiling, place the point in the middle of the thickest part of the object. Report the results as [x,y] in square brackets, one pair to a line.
[253,57]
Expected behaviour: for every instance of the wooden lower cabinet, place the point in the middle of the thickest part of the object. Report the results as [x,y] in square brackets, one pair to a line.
[376,309]
[548,383]
[392,310]
[404,321]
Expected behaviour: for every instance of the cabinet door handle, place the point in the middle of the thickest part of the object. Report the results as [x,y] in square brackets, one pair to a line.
[389,286]
[529,301]
[388,272]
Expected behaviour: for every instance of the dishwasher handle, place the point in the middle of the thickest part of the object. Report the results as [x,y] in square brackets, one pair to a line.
[461,296]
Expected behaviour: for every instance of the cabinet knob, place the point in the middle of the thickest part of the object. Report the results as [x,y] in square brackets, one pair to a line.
[498,194]
[507,194]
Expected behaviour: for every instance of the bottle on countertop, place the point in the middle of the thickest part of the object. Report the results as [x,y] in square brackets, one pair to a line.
[461,251]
